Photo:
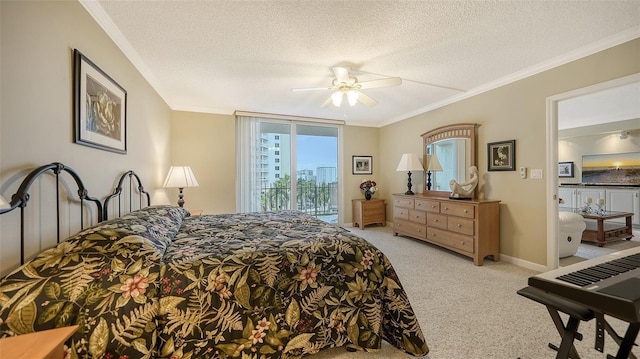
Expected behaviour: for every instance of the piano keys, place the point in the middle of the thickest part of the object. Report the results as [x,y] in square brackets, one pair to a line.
[609,284]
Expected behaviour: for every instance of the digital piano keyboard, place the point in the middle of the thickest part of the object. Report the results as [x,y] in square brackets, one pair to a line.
[609,284]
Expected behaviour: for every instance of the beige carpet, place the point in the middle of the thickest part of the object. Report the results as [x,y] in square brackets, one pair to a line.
[469,312]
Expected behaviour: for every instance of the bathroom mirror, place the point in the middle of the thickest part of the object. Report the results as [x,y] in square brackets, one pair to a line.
[449,151]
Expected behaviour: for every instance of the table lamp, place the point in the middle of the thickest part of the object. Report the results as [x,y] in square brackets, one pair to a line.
[433,165]
[409,162]
[180,177]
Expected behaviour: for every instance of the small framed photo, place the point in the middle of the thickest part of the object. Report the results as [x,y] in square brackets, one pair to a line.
[100,107]
[362,165]
[565,169]
[501,156]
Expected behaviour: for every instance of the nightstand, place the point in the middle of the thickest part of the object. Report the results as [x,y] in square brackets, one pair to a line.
[47,344]
[368,212]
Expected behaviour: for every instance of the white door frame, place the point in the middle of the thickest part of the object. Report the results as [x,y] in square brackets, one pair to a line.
[553,260]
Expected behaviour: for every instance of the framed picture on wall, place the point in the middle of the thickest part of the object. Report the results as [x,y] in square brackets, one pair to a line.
[501,156]
[100,107]
[362,165]
[565,169]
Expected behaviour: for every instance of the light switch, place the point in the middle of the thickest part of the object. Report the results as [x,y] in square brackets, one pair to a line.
[536,174]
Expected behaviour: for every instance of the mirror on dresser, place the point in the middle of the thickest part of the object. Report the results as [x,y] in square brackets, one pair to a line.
[454,146]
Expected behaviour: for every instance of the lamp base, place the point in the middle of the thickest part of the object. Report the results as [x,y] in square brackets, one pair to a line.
[409,191]
[180,198]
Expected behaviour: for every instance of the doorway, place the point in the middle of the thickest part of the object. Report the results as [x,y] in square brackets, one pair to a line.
[553,120]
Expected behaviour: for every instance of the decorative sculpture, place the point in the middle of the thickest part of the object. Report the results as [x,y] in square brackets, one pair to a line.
[465,190]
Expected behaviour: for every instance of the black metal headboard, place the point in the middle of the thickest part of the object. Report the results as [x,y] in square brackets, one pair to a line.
[20,199]
[136,189]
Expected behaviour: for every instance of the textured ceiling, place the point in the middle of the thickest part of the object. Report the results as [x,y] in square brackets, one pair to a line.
[223,56]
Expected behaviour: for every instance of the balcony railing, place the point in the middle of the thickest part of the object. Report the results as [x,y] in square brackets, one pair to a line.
[318,200]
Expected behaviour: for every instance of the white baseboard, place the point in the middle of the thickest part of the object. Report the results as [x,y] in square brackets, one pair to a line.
[522,263]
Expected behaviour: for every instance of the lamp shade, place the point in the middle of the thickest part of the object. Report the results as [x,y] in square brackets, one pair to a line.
[4,204]
[180,177]
[433,164]
[409,162]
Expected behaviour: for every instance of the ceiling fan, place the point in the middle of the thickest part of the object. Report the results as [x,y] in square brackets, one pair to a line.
[347,86]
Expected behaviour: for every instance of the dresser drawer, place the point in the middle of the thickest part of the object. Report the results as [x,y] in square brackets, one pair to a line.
[449,239]
[461,225]
[417,216]
[401,212]
[411,229]
[427,205]
[403,202]
[458,209]
[437,220]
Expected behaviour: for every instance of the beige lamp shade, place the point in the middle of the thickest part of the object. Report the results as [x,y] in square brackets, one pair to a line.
[409,162]
[433,164]
[180,177]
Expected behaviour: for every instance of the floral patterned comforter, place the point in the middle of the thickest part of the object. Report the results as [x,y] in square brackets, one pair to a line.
[159,284]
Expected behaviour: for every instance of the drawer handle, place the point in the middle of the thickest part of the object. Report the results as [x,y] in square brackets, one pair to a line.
[433,206]
[466,211]
[418,204]
[446,208]
[458,225]
[435,220]
[417,230]
[462,242]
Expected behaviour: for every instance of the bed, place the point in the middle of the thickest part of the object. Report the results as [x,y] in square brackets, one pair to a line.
[158,283]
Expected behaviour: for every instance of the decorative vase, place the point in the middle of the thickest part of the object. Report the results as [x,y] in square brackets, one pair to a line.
[367,195]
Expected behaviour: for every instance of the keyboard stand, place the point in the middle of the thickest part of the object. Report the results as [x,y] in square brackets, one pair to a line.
[568,332]
[627,343]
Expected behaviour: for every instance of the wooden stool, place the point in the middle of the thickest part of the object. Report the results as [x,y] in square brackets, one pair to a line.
[568,332]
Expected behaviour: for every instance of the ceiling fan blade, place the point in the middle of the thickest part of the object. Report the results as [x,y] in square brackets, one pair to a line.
[311,89]
[342,74]
[327,102]
[388,82]
[365,99]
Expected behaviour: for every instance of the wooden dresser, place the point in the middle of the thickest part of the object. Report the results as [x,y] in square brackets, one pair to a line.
[368,212]
[469,227]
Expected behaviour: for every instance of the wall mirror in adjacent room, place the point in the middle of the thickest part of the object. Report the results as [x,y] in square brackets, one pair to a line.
[449,151]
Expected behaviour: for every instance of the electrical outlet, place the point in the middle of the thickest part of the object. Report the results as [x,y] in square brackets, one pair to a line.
[536,174]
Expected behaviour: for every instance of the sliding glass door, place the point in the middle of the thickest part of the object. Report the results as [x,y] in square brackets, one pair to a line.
[295,166]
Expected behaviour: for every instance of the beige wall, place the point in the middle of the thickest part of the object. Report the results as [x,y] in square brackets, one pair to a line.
[206,142]
[360,141]
[515,111]
[36,123]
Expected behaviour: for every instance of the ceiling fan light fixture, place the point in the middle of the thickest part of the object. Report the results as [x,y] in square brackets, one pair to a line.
[352,97]
[336,98]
